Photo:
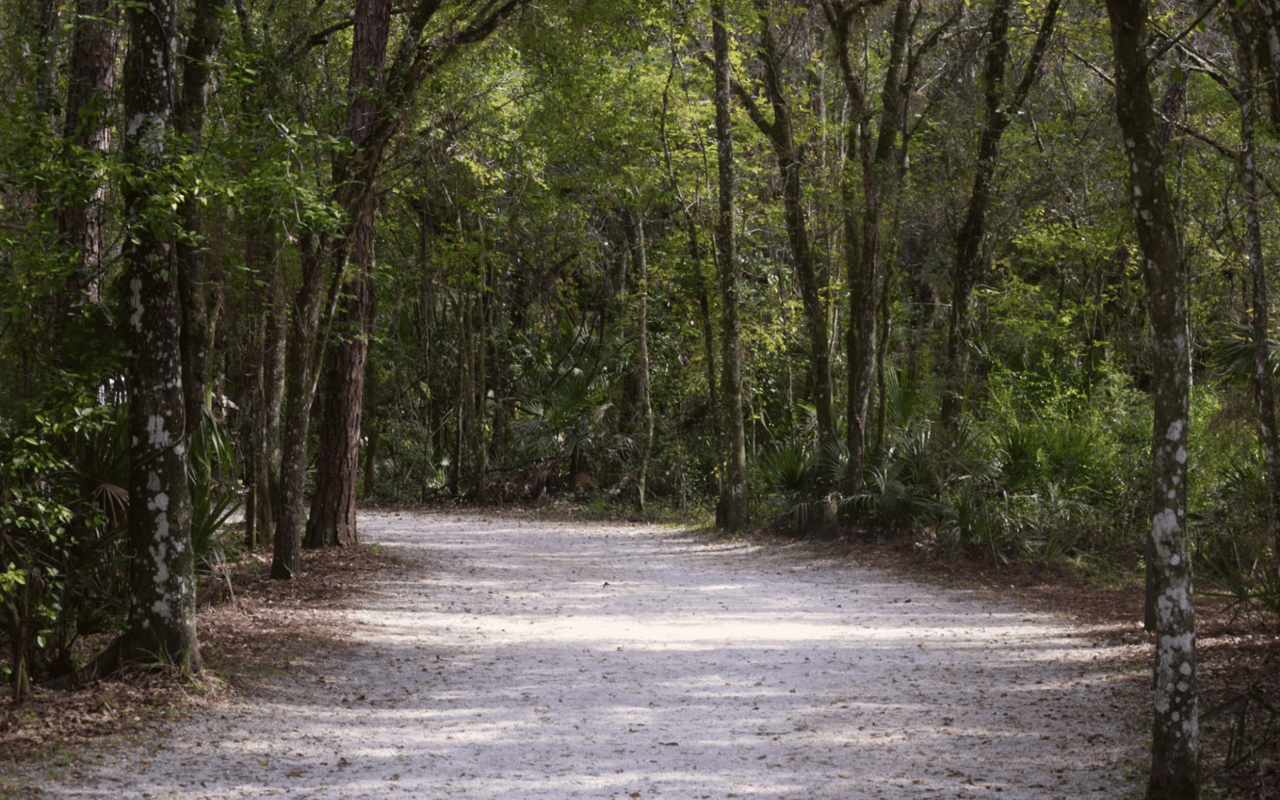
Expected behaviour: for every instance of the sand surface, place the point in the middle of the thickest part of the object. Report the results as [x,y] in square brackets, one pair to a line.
[513,658]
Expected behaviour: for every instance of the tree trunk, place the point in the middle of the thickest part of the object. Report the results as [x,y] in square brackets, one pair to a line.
[640,258]
[862,231]
[688,218]
[1269,12]
[202,42]
[732,510]
[332,522]
[273,352]
[333,507]
[1263,393]
[89,87]
[965,271]
[1175,731]
[162,623]
[781,135]
[300,371]
[476,441]
[368,487]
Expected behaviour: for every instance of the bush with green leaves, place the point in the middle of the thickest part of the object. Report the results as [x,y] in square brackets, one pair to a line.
[52,527]
[798,483]
[63,517]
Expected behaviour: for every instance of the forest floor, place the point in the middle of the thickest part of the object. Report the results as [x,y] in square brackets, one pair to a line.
[504,656]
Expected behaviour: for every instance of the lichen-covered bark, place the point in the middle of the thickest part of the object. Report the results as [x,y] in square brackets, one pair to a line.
[1175,729]
[731,512]
[161,626]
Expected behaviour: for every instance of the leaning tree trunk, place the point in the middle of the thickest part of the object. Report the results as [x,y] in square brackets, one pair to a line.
[732,510]
[1175,748]
[333,506]
[162,617]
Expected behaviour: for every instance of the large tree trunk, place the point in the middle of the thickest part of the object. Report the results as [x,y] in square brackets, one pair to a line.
[1175,749]
[374,116]
[333,507]
[332,522]
[732,510]
[162,620]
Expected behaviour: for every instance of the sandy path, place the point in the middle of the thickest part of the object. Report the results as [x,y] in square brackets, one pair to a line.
[548,660]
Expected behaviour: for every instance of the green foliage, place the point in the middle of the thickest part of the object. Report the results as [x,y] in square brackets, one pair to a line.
[567,415]
[215,496]
[1232,354]
[799,480]
[50,527]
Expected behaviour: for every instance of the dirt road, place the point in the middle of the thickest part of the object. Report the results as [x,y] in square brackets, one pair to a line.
[520,659]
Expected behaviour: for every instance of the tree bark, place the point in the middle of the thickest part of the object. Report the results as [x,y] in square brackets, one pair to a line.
[732,510]
[262,253]
[1175,730]
[161,626]
[1269,12]
[300,376]
[202,42]
[333,506]
[1263,392]
[89,88]
[354,182]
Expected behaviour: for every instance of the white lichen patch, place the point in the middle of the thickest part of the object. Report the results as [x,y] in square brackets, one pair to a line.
[157,432]
[135,303]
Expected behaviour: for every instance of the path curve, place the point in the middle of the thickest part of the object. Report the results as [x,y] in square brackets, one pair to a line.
[530,659]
